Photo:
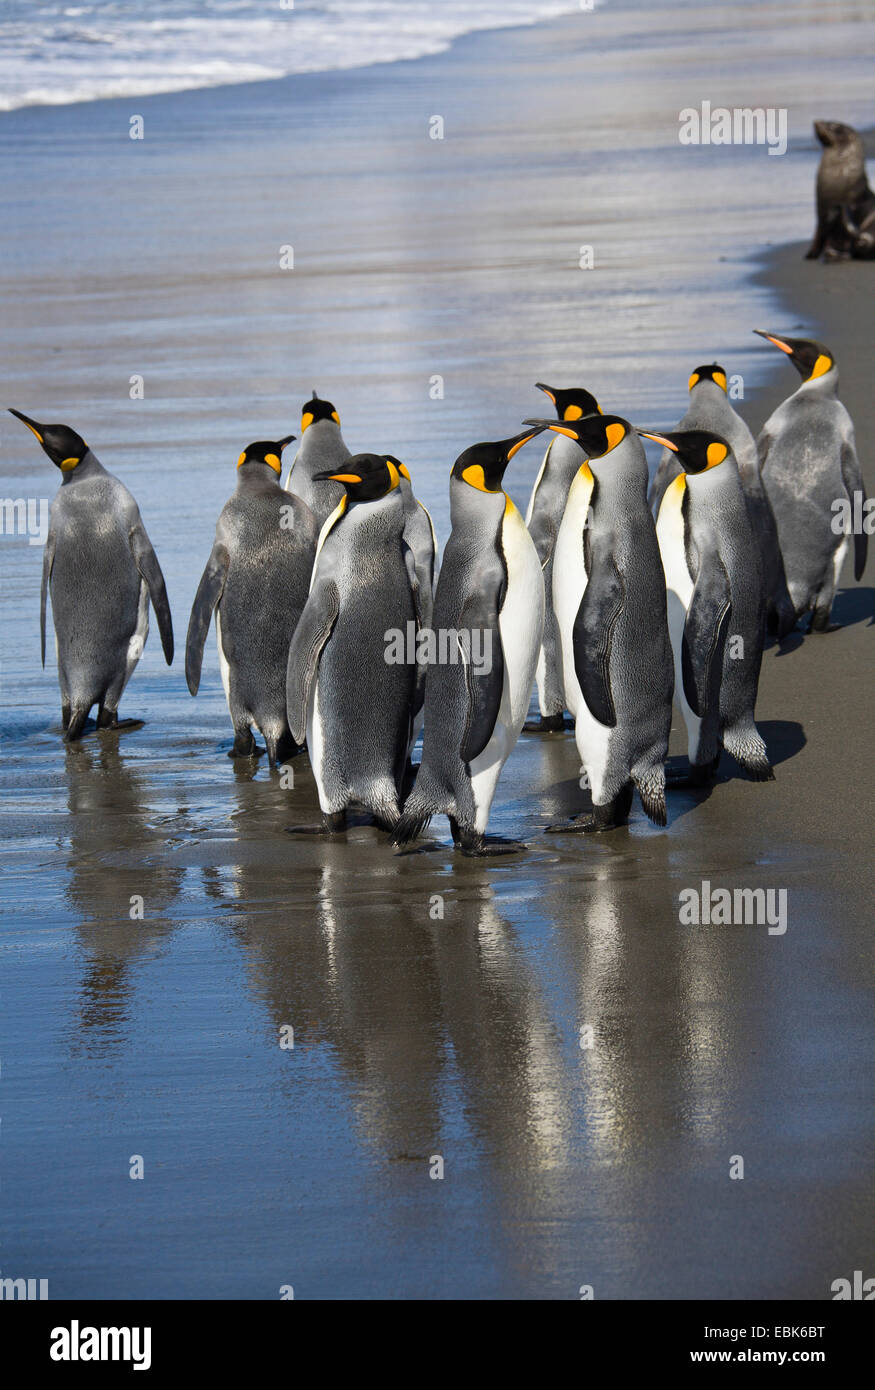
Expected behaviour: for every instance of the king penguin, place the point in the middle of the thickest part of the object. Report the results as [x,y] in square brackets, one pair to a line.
[610,604]
[489,601]
[715,604]
[809,465]
[710,410]
[419,536]
[543,518]
[354,703]
[321,453]
[256,580]
[101,569]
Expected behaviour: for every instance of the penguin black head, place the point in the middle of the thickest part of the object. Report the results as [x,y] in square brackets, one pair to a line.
[696,450]
[483,465]
[316,410]
[709,372]
[64,446]
[572,404]
[597,435]
[810,358]
[366,477]
[266,451]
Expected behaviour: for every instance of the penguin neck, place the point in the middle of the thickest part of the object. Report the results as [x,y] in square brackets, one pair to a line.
[564,458]
[472,509]
[89,467]
[256,477]
[321,435]
[622,473]
[824,387]
[724,477]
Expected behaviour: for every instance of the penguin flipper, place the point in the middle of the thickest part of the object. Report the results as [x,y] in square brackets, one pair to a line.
[311,634]
[480,614]
[209,591]
[704,639]
[48,561]
[147,563]
[853,480]
[543,532]
[593,633]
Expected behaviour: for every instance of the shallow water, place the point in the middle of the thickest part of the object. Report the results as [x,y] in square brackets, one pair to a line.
[415,1035]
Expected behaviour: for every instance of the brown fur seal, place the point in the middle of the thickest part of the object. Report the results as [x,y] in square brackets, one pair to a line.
[845,202]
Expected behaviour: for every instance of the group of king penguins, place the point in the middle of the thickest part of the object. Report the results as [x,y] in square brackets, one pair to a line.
[611,598]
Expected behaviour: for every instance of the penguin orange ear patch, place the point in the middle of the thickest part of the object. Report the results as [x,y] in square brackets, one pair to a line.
[821,366]
[614,433]
[692,381]
[720,378]
[274,462]
[475,477]
[242,459]
[572,412]
[306,421]
[715,453]
[68,464]
[335,417]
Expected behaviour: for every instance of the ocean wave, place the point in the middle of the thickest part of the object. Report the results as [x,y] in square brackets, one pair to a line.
[59,54]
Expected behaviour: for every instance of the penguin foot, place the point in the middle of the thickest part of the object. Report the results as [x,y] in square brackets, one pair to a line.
[587,824]
[546,724]
[333,823]
[245,749]
[121,726]
[820,623]
[490,845]
[696,775]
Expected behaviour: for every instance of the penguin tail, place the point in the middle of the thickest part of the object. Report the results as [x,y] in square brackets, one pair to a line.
[748,749]
[426,800]
[651,788]
[78,716]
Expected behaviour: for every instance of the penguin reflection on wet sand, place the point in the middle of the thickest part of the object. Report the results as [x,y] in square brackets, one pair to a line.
[354,704]
[101,569]
[710,409]
[610,602]
[809,464]
[256,580]
[321,453]
[715,604]
[490,591]
[543,518]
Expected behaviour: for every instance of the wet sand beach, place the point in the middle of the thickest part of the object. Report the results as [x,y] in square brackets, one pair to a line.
[437,1003]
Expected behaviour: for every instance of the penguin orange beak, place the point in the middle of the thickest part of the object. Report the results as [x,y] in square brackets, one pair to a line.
[288,440]
[520,439]
[553,425]
[548,390]
[659,439]
[778,342]
[336,478]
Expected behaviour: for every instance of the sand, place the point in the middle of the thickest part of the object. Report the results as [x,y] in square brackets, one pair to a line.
[437,1005]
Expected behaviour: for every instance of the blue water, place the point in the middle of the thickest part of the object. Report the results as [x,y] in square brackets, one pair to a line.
[55,53]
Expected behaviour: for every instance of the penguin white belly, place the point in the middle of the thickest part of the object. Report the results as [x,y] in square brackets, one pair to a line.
[137,640]
[569,586]
[520,626]
[839,559]
[679,591]
[224,668]
[316,748]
